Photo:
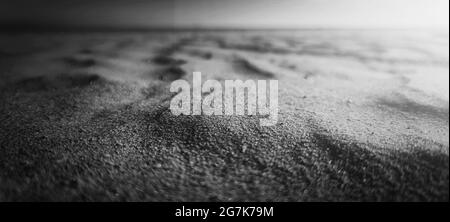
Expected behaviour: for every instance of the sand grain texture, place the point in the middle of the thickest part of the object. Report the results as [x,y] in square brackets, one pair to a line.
[85,117]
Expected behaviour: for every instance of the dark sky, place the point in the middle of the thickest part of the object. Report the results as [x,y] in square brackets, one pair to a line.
[228,13]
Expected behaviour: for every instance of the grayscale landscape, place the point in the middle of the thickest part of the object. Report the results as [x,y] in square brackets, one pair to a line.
[363,116]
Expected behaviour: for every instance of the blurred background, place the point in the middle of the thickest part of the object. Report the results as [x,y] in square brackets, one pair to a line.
[119,14]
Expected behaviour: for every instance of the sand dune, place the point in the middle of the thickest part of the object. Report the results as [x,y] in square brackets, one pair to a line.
[363,116]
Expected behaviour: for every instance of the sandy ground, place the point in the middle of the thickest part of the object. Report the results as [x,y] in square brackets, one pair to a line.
[363,116]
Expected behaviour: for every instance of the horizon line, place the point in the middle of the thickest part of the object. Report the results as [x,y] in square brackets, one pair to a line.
[30,27]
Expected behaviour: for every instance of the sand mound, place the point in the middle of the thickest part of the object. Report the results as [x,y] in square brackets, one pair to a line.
[86,117]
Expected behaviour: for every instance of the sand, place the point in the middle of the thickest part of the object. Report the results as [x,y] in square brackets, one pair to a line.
[363,116]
